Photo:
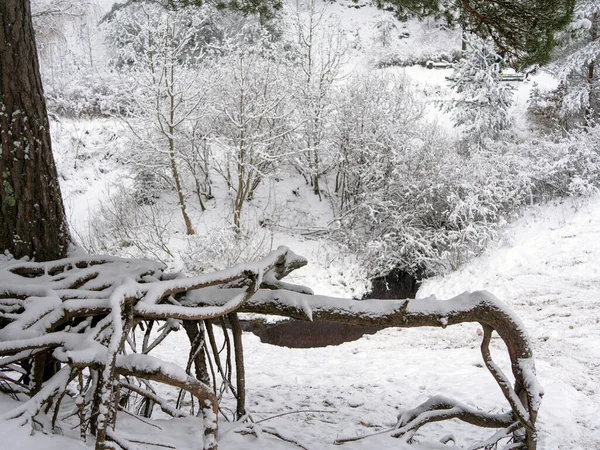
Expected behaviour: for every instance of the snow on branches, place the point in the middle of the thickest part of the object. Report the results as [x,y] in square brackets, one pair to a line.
[68,342]
[482,101]
[67,320]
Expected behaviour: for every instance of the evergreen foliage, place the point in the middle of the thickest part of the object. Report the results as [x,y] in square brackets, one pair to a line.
[576,63]
[483,101]
[525,28]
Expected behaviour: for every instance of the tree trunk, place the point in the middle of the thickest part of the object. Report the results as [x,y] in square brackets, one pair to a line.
[240,370]
[32,218]
[174,170]
[591,75]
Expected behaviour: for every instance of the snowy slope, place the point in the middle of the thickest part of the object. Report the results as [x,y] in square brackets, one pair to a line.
[546,270]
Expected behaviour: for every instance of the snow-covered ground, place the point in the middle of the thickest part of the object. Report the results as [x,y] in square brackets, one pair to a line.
[545,268]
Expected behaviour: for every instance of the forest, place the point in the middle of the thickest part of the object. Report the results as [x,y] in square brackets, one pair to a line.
[201,148]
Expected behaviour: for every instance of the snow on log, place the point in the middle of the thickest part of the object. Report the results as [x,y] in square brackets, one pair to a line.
[81,312]
[480,307]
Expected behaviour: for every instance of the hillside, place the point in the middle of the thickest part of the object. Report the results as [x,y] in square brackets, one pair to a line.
[520,219]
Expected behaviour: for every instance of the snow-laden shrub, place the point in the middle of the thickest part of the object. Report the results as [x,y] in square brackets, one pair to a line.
[86,93]
[429,41]
[576,63]
[72,58]
[565,166]
[124,226]
[376,124]
[436,209]
[391,58]
[544,108]
[406,198]
[223,247]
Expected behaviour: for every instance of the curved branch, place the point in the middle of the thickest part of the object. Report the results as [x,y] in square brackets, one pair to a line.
[480,307]
[502,380]
[439,408]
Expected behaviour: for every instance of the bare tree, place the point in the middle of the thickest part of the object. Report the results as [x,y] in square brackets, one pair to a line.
[253,119]
[161,50]
[319,47]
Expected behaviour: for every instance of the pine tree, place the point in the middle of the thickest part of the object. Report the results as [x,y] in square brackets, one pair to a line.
[577,62]
[482,102]
[32,218]
[524,28]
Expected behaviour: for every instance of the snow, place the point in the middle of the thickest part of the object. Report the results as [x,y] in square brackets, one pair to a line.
[544,268]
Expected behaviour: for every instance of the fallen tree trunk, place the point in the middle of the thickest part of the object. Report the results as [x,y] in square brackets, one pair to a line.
[481,307]
[85,310]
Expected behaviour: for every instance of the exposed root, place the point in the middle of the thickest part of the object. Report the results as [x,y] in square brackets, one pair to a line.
[81,311]
[440,408]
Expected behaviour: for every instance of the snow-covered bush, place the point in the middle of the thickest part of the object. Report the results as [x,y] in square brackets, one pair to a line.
[564,166]
[76,82]
[87,93]
[222,247]
[125,226]
[376,120]
[406,198]
[435,209]
[415,43]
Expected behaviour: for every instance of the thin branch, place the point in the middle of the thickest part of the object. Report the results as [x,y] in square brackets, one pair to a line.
[303,411]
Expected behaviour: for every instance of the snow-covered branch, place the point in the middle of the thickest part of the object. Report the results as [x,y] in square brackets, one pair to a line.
[479,307]
[80,314]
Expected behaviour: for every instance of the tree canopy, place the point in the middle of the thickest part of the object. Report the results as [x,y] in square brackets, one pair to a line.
[524,28]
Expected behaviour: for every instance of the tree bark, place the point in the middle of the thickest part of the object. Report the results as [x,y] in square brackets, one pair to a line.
[482,307]
[32,218]
[591,75]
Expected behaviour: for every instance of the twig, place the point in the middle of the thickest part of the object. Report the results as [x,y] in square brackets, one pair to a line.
[283,438]
[174,412]
[152,443]
[341,441]
[295,412]
[138,418]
